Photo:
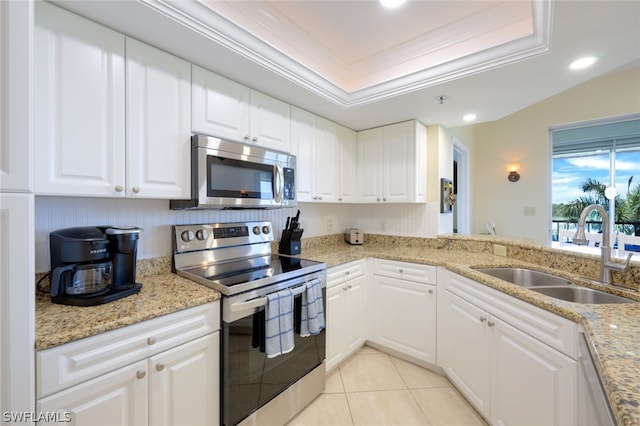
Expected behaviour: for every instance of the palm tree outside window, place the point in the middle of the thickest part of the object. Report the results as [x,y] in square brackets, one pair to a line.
[597,164]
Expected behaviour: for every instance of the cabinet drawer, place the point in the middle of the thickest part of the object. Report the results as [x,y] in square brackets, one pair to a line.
[405,271]
[549,328]
[72,363]
[341,273]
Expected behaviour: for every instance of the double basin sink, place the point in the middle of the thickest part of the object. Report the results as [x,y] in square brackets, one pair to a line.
[553,286]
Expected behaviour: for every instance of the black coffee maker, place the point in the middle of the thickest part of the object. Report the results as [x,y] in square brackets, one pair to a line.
[93,265]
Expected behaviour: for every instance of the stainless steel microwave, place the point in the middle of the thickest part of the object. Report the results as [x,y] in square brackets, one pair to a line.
[231,175]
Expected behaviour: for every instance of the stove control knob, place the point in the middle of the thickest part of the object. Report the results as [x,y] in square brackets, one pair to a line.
[265,229]
[256,230]
[187,236]
[202,234]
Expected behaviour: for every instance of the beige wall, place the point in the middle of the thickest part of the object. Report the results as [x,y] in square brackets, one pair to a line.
[522,209]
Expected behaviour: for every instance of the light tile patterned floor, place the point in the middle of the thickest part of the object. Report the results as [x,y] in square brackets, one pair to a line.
[373,388]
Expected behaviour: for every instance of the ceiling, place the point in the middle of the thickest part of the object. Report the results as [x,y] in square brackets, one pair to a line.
[363,66]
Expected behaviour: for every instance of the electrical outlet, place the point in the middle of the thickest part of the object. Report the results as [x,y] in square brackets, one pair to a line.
[330,225]
[499,250]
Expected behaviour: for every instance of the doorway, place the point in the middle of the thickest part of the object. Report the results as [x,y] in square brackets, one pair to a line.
[461,209]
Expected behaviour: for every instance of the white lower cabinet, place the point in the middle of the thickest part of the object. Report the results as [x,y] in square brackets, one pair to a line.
[117,398]
[508,375]
[174,386]
[403,318]
[346,311]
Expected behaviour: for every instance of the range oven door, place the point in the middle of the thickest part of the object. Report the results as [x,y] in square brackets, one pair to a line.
[232,175]
[249,378]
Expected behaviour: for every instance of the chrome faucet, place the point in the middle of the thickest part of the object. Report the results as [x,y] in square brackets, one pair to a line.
[607,265]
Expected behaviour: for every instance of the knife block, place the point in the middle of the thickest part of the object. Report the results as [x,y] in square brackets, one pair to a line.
[290,241]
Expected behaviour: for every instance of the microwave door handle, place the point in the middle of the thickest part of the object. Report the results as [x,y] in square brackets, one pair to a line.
[279,183]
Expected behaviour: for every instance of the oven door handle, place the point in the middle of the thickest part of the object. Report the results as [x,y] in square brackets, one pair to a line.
[262,301]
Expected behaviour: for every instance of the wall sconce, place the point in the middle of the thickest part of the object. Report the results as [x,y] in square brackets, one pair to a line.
[513,176]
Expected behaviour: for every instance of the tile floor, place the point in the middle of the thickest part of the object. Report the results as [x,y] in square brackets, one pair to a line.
[373,388]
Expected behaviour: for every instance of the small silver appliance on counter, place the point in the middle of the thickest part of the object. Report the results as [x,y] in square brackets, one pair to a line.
[354,236]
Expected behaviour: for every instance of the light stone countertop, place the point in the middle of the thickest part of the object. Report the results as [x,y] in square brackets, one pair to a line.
[162,293]
[613,330]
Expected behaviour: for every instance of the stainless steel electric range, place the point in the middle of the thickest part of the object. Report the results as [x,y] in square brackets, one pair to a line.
[236,259]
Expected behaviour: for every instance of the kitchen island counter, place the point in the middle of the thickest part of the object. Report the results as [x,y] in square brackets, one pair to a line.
[613,330]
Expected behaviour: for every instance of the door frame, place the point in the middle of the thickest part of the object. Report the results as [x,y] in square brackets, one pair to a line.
[463,197]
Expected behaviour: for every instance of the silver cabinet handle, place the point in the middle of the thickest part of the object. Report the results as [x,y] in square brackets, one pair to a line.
[384,200]
[159,367]
[482,319]
[348,273]
[140,374]
[430,291]
[119,188]
[151,341]
[401,271]
[255,139]
[378,199]
[491,323]
[246,137]
[135,189]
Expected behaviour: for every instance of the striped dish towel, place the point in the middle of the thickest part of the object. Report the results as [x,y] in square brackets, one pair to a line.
[312,315]
[279,323]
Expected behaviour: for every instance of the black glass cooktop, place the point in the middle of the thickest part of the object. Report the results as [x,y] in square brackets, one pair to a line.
[259,271]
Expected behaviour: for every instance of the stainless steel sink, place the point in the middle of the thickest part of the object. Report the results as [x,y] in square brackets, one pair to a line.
[526,277]
[553,286]
[582,295]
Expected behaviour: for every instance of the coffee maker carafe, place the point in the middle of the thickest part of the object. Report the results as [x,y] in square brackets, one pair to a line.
[93,265]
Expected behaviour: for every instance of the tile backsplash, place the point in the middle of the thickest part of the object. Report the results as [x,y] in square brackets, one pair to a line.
[155,218]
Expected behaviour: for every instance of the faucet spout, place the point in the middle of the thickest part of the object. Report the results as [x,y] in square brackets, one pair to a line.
[606,263]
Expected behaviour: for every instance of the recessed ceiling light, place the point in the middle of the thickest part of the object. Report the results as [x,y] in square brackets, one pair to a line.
[583,63]
[469,117]
[392,4]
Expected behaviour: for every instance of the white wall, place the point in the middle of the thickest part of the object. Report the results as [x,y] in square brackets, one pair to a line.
[523,137]
[154,216]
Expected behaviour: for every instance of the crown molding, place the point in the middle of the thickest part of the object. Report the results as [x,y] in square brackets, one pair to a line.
[203,20]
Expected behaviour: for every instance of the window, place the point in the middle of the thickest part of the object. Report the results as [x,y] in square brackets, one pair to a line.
[596,164]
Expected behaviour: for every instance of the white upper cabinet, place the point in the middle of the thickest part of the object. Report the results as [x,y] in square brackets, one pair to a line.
[220,106]
[315,144]
[15,92]
[270,122]
[392,163]
[79,105]
[158,123]
[226,109]
[346,165]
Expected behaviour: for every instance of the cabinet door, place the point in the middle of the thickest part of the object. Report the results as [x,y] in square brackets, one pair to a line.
[16,145]
[398,163]
[356,314]
[405,317]
[184,384]
[304,133]
[117,398]
[158,123]
[326,161]
[347,164]
[270,122]
[533,384]
[465,346]
[336,321]
[220,106]
[17,299]
[79,101]
[369,145]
